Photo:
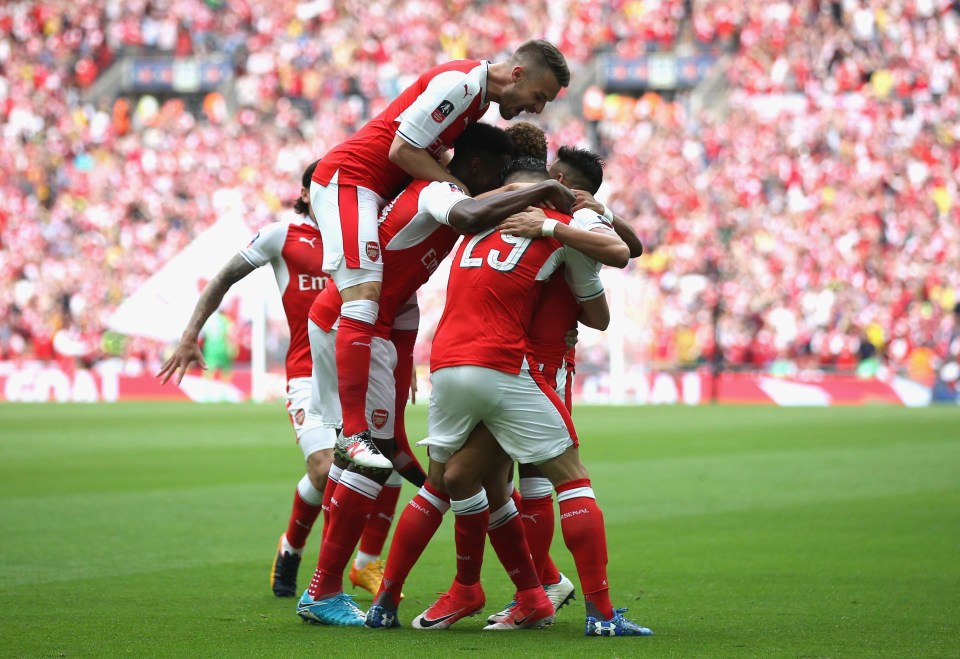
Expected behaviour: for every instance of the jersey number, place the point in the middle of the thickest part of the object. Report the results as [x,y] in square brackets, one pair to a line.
[493,256]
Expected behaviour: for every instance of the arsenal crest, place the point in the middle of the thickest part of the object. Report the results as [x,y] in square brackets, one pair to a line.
[299,416]
[379,418]
[373,251]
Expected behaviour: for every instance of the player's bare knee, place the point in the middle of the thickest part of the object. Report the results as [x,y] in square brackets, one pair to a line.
[318,466]
[368,290]
[435,471]
[461,481]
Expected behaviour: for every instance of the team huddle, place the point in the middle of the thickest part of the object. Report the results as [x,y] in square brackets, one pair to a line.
[379,214]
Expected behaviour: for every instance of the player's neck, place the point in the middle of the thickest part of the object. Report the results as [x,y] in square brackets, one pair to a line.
[498,77]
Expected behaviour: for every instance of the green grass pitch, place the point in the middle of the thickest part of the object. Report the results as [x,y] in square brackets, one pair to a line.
[149,529]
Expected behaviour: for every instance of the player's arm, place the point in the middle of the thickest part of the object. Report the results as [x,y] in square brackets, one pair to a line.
[188,350]
[602,245]
[622,227]
[443,102]
[595,313]
[419,164]
[467,215]
[583,277]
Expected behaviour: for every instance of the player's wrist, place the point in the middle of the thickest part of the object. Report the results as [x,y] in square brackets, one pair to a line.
[548,227]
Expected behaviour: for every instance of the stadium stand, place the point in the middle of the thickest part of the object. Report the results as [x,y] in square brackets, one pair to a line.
[814,211]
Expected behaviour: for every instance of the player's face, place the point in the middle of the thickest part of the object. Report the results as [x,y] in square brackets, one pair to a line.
[529,91]
[486,174]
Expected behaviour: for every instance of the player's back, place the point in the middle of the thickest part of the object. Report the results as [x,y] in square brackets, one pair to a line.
[363,159]
[494,284]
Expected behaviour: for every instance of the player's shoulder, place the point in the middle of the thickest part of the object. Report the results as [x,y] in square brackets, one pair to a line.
[587,219]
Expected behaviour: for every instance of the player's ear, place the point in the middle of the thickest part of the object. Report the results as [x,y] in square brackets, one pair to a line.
[517,74]
[304,195]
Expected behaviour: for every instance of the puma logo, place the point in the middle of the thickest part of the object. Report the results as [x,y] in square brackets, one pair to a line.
[532,518]
[466,92]
[309,241]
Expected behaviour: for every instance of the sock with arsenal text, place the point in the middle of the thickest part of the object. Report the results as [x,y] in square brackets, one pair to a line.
[378,526]
[472,516]
[583,532]
[350,506]
[418,523]
[333,479]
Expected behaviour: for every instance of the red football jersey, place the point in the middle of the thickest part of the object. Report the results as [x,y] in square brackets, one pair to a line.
[415,239]
[295,252]
[429,114]
[554,315]
[494,284]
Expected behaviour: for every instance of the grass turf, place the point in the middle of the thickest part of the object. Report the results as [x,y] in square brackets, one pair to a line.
[148,529]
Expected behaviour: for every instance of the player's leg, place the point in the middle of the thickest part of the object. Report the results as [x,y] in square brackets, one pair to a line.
[418,523]
[348,221]
[324,417]
[459,398]
[314,410]
[539,520]
[581,522]
[367,569]
[353,500]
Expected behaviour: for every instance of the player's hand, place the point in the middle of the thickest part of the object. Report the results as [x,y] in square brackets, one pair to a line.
[413,386]
[525,224]
[585,200]
[559,197]
[571,338]
[186,354]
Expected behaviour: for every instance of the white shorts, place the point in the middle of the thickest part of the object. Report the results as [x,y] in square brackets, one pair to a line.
[524,415]
[348,217]
[323,415]
[325,410]
[382,389]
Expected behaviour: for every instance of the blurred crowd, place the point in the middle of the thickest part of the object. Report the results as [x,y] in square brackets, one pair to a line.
[813,213]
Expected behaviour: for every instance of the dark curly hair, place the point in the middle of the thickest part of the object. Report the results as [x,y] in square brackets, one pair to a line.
[301,207]
[530,140]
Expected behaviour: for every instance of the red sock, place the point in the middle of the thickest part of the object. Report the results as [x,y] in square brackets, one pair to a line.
[351,503]
[582,525]
[510,544]
[472,515]
[333,479]
[538,522]
[381,518]
[301,521]
[353,372]
[418,523]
